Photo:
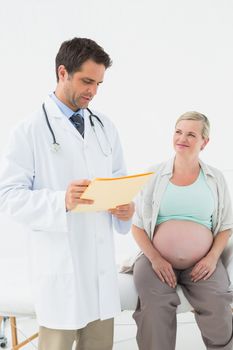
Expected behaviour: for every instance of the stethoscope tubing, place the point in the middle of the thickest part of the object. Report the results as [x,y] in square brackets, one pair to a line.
[48,124]
[56,145]
[95,116]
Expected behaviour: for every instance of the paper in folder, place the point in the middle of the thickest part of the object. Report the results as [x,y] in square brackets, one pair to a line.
[108,193]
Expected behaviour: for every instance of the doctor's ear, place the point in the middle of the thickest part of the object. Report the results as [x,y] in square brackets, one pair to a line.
[62,72]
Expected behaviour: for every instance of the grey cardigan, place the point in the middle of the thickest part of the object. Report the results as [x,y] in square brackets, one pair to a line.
[148,201]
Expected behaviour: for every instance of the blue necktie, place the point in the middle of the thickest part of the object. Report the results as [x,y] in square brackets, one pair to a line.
[78,121]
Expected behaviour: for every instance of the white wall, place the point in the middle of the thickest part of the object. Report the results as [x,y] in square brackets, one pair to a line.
[169,57]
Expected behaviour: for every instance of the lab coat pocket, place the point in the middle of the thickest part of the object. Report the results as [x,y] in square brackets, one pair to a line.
[51,253]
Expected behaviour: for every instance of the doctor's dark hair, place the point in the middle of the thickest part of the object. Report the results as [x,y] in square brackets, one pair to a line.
[73,53]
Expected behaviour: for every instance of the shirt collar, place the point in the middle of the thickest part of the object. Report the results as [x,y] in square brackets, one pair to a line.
[168,169]
[68,112]
[206,169]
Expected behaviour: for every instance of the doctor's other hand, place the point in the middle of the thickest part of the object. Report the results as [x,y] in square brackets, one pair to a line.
[74,192]
[123,212]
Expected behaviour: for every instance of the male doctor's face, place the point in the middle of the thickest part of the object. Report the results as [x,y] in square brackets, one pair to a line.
[78,89]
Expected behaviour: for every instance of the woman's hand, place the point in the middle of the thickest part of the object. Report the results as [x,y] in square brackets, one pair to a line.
[204,268]
[207,265]
[164,271]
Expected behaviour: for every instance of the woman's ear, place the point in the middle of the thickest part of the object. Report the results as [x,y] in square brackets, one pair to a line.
[204,143]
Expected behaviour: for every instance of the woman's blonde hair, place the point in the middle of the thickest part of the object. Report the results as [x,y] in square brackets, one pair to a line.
[197,116]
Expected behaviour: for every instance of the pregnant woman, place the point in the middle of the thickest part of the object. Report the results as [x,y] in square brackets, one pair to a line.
[182,224]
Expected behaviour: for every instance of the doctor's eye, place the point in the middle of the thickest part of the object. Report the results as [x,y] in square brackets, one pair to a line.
[87,81]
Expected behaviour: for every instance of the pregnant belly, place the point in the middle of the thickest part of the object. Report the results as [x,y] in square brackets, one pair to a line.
[182,243]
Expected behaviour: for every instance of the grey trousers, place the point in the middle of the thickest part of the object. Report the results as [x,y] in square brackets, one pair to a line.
[97,335]
[155,314]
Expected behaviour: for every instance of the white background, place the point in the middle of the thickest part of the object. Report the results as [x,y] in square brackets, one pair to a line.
[169,56]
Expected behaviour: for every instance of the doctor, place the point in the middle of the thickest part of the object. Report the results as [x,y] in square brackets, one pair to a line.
[72,254]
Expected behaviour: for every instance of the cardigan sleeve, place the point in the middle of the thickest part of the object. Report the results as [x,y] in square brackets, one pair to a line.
[226,214]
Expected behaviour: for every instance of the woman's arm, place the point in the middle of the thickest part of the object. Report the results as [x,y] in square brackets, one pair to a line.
[207,265]
[220,242]
[162,267]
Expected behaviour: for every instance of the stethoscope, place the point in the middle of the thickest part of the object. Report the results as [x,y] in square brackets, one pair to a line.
[55,147]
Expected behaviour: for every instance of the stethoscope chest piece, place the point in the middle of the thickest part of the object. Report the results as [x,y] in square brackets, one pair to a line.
[55,147]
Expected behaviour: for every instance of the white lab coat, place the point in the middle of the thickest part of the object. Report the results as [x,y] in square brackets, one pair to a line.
[71,254]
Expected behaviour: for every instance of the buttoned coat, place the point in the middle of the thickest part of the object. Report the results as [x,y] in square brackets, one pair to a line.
[72,265]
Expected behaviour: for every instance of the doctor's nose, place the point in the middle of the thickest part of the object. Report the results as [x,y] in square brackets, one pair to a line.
[93,89]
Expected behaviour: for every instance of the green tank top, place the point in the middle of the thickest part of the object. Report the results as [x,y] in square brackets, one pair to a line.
[194,202]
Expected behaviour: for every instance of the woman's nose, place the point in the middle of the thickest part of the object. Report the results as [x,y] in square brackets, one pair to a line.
[183,136]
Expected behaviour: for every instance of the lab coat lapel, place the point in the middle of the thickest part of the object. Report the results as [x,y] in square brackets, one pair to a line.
[87,126]
[58,119]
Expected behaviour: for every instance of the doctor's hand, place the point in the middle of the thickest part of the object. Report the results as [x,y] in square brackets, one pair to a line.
[123,212]
[73,193]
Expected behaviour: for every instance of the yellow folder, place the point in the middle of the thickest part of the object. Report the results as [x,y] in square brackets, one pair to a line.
[108,193]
